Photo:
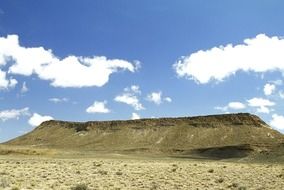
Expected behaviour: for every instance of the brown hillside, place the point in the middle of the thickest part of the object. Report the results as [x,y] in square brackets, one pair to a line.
[230,135]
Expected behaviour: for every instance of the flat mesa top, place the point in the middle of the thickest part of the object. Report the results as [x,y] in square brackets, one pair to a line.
[235,119]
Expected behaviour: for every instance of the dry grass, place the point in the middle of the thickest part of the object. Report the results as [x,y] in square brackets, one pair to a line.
[135,173]
[22,150]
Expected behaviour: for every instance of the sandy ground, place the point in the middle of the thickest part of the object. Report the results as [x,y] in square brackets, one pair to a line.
[136,173]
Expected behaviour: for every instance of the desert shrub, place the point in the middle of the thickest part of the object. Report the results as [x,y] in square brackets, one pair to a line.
[80,187]
[210,170]
[4,183]
[154,186]
[220,180]
[119,173]
[102,172]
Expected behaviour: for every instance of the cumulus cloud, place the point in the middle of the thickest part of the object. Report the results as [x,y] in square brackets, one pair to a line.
[260,54]
[13,113]
[135,116]
[277,82]
[135,89]
[268,89]
[131,100]
[281,94]
[71,71]
[58,100]
[261,105]
[156,97]
[6,83]
[98,107]
[277,122]
[24,88]
[37,119]
[232,106]
[168,99]
[236,105]
[129,96]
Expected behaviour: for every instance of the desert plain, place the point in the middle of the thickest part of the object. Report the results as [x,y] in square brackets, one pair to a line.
[116,171]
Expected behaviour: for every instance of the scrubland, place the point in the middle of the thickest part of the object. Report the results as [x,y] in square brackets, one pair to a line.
[128,172]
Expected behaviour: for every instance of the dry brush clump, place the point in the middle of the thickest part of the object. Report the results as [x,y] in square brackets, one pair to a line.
[80,187]
[4,183]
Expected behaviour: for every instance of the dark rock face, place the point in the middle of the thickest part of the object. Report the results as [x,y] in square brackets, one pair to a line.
[229,135]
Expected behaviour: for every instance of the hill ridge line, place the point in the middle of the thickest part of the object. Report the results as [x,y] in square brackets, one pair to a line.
[219,116]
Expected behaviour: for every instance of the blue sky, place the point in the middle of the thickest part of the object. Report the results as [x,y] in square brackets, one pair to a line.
[105,60]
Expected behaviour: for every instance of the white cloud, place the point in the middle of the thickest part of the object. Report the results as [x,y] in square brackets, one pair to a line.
[232,106]
[156,97]
[137,64]
[4,82]
[263,109]
[71,71]
[257,102]
[37,119]
[168,99]
[82,72]
[260,54]
[24,88]
[129,96]
[58,100]
[135,116]
[131,100]
[277,82]
[277,122]
[13,113]
[98,107]
[133,89]
[261,104]
[268,89]
[281,94]
[221,108]
[236,105]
